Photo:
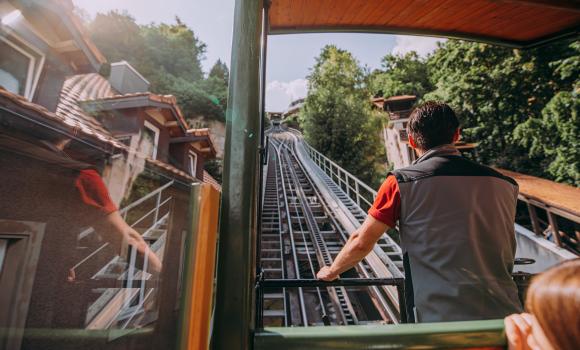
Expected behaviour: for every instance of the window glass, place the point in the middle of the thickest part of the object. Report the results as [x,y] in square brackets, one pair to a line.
[150,140]
[96,177]
[192,163]
[14,68]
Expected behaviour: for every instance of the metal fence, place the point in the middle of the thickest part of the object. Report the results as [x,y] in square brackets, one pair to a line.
[360,192]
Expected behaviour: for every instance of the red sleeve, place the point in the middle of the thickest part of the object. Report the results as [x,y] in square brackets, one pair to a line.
[387,205]
[93,191]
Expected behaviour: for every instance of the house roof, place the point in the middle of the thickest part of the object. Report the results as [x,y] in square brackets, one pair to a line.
[401,98]
[60,16]
[73,121]
[378,101]
[82,87]
[553,194]
[170,168]
[518,23]
[80,28]
[68,122]
[204,138]
[133,100]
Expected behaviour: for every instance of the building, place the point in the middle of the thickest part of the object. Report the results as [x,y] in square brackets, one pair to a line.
[398,110]
[69,120]
[294,108]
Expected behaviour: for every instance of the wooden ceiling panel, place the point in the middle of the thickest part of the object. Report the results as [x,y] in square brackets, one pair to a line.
[422,11]
[368,10]
[511,22]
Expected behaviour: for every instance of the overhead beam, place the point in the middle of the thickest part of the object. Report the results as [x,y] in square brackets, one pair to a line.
[569,33]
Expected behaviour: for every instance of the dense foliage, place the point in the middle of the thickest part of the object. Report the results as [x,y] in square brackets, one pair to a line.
[406,75]
[336,117]
[520,106]
[169,56]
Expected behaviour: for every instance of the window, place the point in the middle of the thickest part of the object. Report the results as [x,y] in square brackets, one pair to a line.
[126,140]
[151,134]
[20,243]
[192,163]
[20,66]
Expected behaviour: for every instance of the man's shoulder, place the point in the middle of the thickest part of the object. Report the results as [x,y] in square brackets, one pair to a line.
[447,166]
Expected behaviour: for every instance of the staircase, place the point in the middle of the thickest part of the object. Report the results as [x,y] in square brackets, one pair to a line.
[123,287]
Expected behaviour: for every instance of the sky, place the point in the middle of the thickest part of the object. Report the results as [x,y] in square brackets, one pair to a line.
[289,56]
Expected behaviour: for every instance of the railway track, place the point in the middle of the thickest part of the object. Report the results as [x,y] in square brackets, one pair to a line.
[301,233]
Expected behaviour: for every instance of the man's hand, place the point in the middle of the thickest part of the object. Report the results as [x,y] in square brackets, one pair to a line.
[359,244]
[326,274]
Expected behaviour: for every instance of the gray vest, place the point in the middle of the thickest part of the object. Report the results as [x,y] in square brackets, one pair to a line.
[457,234]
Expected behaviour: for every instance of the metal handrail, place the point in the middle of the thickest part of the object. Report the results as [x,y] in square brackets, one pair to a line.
[158,192]
[143,199]
[343,177]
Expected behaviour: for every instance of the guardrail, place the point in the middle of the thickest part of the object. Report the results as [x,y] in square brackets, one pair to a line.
[124,212]
[360,192]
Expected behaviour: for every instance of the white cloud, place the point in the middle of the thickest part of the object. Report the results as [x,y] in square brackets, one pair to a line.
[421,44]
[279,94]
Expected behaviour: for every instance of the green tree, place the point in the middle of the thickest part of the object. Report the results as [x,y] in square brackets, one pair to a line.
[173,47]
[168,55]
[216,84]
[401,75]
[118,36]
[220,70]
[337,118]
[494,90]
[555,136]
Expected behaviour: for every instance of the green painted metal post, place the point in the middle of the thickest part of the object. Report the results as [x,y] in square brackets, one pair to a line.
[235,297]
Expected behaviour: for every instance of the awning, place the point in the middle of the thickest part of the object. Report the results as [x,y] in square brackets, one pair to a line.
[518,23]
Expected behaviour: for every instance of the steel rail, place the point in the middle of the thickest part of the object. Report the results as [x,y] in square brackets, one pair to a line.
[281,242]
[345,306]
[271,189]
[286,151]
[324,315]
[386,305]
[304,317]
[354,209]
[298,191]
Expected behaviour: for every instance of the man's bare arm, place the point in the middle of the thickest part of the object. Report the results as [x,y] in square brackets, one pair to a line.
[133,238]
[359,245]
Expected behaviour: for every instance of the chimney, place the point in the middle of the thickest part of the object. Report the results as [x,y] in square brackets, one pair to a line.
[126,80]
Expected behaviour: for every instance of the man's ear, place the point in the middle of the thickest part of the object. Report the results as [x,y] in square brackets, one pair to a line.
[412,142]
[456,135]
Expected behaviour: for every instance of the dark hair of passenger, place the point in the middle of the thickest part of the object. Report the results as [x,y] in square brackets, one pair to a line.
[432,124]
[554,299]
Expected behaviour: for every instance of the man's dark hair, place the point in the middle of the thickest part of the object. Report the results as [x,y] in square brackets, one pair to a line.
[432,124]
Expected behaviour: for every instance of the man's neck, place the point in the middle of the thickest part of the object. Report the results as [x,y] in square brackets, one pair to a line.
[421,152]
